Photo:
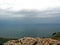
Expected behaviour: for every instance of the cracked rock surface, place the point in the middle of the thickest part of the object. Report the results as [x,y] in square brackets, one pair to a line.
[33,41]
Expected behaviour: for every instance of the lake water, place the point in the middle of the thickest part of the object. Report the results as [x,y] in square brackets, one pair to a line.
[28,30]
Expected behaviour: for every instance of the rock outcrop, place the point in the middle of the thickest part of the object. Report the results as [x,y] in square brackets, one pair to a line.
[33,41]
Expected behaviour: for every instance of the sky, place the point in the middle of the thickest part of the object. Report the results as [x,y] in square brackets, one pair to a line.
[16,5]
[30,10]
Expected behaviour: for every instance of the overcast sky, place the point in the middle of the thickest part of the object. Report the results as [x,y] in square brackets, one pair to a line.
[31,10]
[16,5]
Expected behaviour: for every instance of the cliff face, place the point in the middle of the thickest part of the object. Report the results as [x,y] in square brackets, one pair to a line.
[33,41]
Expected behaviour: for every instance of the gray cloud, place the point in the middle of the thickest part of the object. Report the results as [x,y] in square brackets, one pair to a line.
[31,13]
[33,16]
[41,14]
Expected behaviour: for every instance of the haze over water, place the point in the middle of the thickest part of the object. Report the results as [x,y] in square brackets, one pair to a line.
[32,18]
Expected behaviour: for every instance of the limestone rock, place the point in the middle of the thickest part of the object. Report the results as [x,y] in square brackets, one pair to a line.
[33,41]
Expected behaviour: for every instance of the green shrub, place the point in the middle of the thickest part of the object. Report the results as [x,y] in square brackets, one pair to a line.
[56,36]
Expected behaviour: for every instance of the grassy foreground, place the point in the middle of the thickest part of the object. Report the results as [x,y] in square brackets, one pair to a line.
[3,40]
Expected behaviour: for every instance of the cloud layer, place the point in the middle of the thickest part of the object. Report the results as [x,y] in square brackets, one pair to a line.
[30,13]
[32,16]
